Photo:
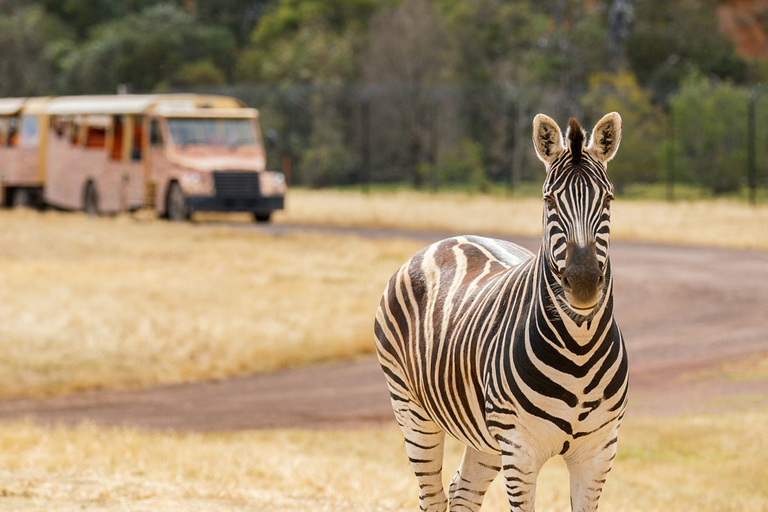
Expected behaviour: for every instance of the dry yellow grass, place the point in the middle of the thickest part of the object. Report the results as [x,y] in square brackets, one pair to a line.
[119,302]
[754,368]
[91,303]
[722,223]
[681,464]
[132,301]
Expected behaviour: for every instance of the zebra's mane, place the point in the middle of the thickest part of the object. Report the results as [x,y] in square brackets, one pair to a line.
[575,137]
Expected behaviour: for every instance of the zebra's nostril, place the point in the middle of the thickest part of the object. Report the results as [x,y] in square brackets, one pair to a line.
[566,283]
[600,282]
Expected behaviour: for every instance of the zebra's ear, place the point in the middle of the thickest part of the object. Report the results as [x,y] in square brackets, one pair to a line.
[546,138]
[606,137]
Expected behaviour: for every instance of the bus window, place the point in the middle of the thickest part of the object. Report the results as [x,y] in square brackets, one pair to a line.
[155,134]
[117,139]
[13,135]
[211,132]
[30,135]
[58,126]
[138,138]
[74,130]
[96,137]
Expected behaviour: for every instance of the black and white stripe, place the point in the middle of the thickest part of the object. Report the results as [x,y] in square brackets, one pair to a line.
[516,355]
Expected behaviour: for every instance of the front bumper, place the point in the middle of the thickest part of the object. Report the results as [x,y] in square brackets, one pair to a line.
[259,204]
[236,192]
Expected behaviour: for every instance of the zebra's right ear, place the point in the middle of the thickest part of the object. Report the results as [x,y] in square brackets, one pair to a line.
[606,137]
[546,138]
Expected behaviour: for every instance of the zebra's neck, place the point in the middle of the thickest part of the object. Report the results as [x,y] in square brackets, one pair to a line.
[575,330]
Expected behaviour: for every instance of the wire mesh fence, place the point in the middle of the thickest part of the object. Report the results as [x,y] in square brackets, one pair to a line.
[712,136]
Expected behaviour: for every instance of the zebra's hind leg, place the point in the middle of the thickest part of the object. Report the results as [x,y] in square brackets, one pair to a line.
[424,444]
[475,474]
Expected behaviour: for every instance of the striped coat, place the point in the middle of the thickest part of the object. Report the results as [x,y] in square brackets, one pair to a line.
[516,355]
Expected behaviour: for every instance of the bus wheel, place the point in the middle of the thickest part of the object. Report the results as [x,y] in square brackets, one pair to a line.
[91,199]
[21,198]
[176,208]
[262,217]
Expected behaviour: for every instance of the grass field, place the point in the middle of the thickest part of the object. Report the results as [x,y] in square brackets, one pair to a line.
[718,222]
[685,464]
[112,303]
[134,301]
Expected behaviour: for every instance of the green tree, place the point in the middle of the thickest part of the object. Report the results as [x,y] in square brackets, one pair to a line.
[32,43]
[238,16]
[312,54]
[145,50]
[495,39]
[409,50]
[83,15]
[643,121]
[670,38]
[307,41]
[710,128]
[463,164]
[199,73]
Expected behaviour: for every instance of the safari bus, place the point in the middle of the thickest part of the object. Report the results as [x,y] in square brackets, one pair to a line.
[174,153]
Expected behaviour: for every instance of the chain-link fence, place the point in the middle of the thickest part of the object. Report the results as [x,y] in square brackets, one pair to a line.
[706,135]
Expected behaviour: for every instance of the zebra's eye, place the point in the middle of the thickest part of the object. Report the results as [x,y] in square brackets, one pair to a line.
[550,201]
[607,200]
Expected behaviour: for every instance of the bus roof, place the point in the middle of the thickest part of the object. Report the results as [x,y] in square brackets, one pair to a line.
[133,103]
[11,106]
[35,106]
[202,113]
[120,104]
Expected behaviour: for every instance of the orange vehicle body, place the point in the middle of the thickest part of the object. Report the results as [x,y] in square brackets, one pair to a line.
[177,154]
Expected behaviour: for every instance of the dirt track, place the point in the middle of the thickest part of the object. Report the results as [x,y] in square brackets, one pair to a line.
[682,310]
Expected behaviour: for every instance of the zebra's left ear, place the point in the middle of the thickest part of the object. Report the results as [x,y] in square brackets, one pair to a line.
[546,138]
[606,137]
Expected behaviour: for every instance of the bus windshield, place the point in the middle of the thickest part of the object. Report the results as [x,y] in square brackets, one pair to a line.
[187,131]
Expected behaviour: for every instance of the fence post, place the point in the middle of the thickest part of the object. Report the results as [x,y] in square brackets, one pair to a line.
[433,142]
[671,154]
[286,153]
[365,137]
[757,91]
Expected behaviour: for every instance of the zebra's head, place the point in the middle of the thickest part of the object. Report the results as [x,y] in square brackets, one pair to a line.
[577,197]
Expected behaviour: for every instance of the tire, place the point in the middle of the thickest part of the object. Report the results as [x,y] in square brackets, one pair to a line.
[91,200]
[262,218]
[21,198]
[176,208]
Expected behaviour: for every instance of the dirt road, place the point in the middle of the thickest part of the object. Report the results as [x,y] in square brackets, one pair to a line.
[683,311]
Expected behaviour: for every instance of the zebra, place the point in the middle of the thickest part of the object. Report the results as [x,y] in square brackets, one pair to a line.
[516,355]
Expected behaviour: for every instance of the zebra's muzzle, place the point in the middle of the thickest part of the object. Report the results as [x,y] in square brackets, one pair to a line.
[583,280]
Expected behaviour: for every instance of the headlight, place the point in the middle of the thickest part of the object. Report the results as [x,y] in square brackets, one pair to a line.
[278,179]
[191,179]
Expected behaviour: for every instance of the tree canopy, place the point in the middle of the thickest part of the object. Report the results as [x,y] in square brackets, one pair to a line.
[454,83]
[94,45]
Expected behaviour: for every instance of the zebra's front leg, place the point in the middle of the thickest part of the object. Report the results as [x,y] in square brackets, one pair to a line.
[424,444]
[471,481]
[521,466]
[588,470]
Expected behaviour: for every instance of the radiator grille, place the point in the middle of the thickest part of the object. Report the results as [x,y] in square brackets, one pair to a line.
[234,184]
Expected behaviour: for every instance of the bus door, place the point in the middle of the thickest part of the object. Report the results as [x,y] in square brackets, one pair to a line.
[126,161]
[9,141]
[158,167]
